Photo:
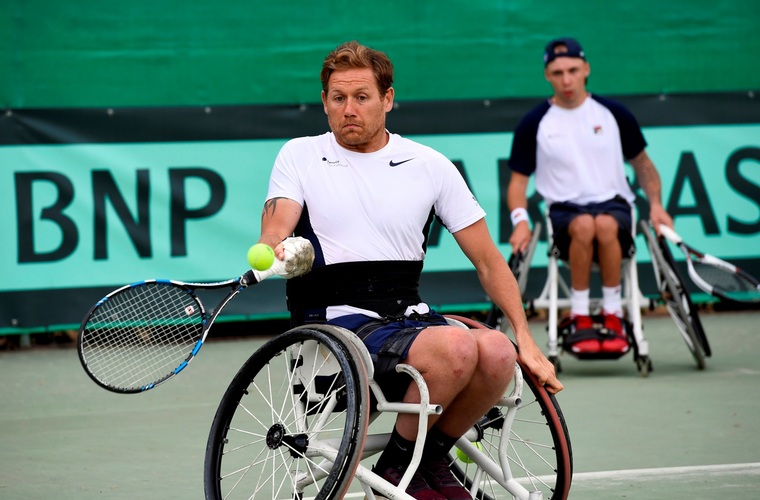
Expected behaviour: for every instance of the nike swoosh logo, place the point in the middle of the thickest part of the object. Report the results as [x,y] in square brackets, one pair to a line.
[396,164]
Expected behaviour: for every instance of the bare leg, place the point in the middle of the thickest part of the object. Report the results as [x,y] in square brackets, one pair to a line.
[582,232]
[466,372]
[496,366]
[610,253]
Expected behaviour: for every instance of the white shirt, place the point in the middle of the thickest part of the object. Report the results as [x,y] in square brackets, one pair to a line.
[578,154]
[372,206]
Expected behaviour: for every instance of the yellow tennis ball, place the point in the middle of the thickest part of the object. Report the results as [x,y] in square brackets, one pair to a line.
[260,257]
[463,456]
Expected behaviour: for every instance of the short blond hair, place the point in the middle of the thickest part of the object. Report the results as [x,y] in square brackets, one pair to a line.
[353,55]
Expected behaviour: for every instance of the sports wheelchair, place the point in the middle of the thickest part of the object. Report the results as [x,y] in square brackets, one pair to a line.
[632,301]
[295,423]
[671,292]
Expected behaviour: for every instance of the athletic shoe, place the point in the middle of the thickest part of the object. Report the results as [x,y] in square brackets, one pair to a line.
[418,488]
[588,346]
[618,343]
[438,475]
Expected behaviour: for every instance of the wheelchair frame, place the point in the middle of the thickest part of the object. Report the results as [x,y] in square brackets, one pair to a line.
[632,302]
[672,293]
[294,423]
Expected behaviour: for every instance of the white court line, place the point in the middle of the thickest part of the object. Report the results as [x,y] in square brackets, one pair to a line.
[659,472]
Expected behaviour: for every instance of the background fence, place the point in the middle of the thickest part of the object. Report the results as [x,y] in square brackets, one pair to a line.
[136,139]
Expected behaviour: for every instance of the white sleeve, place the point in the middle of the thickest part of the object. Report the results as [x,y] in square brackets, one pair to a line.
[456,205]
[284,181]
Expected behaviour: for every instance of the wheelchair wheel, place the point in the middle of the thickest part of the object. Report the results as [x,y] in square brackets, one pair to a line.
[675,297]
[539,452]
[292,423]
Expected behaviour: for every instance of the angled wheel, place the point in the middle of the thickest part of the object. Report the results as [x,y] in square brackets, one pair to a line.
[536,442]
[292,423]
[675,297]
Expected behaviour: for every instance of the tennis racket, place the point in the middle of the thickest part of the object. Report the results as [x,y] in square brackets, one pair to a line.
[713,275]
[144,333]
[519,264]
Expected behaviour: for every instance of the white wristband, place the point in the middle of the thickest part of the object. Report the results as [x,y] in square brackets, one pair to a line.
[518,215]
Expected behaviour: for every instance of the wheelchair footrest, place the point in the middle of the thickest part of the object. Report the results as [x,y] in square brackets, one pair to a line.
[587,344]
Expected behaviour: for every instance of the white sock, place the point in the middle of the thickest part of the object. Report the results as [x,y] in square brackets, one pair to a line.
[611,300]
[579,304]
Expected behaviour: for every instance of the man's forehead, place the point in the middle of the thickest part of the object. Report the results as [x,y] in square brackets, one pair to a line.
[359,77]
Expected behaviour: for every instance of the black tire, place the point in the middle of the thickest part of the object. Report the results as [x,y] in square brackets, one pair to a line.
[676,298]
[539,451]
[269,425]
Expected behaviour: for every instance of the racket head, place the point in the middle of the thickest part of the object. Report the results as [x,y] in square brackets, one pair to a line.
[726,280]
[140,335]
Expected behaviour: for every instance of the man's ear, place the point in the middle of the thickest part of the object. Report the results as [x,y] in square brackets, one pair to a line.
[389,99]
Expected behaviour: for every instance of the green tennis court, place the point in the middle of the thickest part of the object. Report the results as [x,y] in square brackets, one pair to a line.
[678,434]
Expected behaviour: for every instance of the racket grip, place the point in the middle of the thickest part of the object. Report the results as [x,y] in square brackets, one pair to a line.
[670,234]
[249,278]
[259,276]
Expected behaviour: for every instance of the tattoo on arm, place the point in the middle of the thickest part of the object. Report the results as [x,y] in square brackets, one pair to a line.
[269,207]
[649,178]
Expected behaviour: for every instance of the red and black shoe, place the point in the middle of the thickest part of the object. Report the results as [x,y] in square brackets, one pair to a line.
[585,346]
[618,341]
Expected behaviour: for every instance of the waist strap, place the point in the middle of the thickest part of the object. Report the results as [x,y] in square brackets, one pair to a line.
[381,286]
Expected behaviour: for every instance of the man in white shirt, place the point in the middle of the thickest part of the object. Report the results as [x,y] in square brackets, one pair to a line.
[365,198]
[576,143]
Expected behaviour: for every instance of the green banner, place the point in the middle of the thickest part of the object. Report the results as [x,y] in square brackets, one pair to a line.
[101,53]
[102,215]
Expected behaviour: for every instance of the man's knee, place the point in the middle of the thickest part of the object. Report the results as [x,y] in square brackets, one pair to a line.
[606,228]
[496,355]
[582,229]
[449,346]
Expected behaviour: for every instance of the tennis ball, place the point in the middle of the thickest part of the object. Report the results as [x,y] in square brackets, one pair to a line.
[260,257]
[463,456]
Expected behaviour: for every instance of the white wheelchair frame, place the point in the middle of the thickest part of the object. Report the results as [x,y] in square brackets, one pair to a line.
[306,441]
[671,289]
[632,301]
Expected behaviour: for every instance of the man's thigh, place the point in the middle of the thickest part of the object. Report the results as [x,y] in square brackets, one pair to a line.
[563,214]
[388,342]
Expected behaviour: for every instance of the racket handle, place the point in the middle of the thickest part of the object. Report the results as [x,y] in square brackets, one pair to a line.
[670,234]
[249,278]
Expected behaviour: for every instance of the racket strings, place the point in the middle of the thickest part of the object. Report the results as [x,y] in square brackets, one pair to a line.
[723,279]
[142,334]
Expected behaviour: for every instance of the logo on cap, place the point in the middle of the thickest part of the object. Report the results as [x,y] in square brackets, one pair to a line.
[563,47]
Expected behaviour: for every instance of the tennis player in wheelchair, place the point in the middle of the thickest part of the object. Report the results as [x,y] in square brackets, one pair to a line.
[576,143]
[365,198]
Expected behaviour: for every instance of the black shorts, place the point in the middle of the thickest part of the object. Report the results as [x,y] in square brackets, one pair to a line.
[388,342]
[562,214]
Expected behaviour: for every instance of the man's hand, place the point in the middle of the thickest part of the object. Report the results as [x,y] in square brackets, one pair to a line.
[520,238]
[657,216]
[294,257]
[542,368]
